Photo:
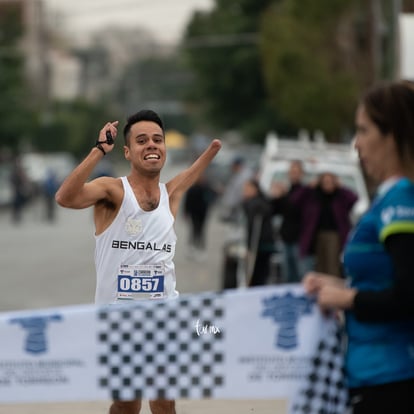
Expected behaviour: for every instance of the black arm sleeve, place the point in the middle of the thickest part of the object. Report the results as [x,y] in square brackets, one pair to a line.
[396,303]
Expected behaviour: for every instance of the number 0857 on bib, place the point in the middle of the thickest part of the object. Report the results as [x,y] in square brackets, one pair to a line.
[140,282]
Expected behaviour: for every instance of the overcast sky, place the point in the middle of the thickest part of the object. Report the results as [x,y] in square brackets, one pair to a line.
[165,19]
[407,50]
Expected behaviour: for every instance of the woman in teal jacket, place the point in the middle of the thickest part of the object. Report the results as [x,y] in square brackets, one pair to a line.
[378,295]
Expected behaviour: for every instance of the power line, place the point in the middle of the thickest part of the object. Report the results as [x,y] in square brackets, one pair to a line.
[221,40]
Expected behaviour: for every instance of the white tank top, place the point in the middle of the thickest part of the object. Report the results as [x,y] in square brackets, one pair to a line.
[134,255]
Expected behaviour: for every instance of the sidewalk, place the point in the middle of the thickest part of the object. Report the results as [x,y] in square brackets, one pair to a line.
[183,407]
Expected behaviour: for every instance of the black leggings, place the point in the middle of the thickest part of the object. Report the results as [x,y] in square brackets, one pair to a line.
[393,398]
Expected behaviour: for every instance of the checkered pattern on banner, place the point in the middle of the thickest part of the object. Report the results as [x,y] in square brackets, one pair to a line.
[324,390]
[156,351]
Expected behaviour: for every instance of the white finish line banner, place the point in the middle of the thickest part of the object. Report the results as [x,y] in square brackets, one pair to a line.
[255,343]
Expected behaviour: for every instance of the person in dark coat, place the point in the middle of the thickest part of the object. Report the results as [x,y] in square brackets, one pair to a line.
[20,183]
[50,186]
[260,235]
[325,210]
[291,222]
[197,203]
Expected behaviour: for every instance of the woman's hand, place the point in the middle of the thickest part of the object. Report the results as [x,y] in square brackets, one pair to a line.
[330,291]
[314,281]
[334,297]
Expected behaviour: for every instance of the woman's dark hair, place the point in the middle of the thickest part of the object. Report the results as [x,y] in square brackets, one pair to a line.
[391,107]
[255,183]
[143,115]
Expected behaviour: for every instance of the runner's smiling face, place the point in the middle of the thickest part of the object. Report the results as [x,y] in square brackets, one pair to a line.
[146,148]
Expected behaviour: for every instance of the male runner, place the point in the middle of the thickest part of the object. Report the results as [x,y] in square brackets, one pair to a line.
[134,220]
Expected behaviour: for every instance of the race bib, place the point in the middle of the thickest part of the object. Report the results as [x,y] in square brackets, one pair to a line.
[137,282]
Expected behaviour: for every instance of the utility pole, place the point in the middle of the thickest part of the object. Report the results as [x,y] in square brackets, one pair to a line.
[374,21]
[396,39]
[408,6]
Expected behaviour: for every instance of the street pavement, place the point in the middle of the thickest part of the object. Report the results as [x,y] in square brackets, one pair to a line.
[182,407]
[50,264]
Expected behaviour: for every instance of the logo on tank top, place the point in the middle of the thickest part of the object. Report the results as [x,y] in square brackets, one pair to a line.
[133,226]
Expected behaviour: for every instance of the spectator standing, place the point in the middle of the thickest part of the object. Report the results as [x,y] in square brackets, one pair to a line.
[260,235]
[50,187]
[291,223]
[20,184]
[197,202]
[325,216]
[231,198]
[379,261]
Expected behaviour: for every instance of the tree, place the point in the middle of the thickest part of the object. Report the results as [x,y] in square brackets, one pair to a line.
[304,48]
[72,126]
[221,48]
[159,82]
[15,117]
[318,56]
[288,64]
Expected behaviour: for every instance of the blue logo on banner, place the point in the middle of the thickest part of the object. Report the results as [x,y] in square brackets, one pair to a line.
[285,310]
[35,328]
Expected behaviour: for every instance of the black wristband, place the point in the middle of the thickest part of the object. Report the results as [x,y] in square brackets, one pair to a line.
[98,145]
